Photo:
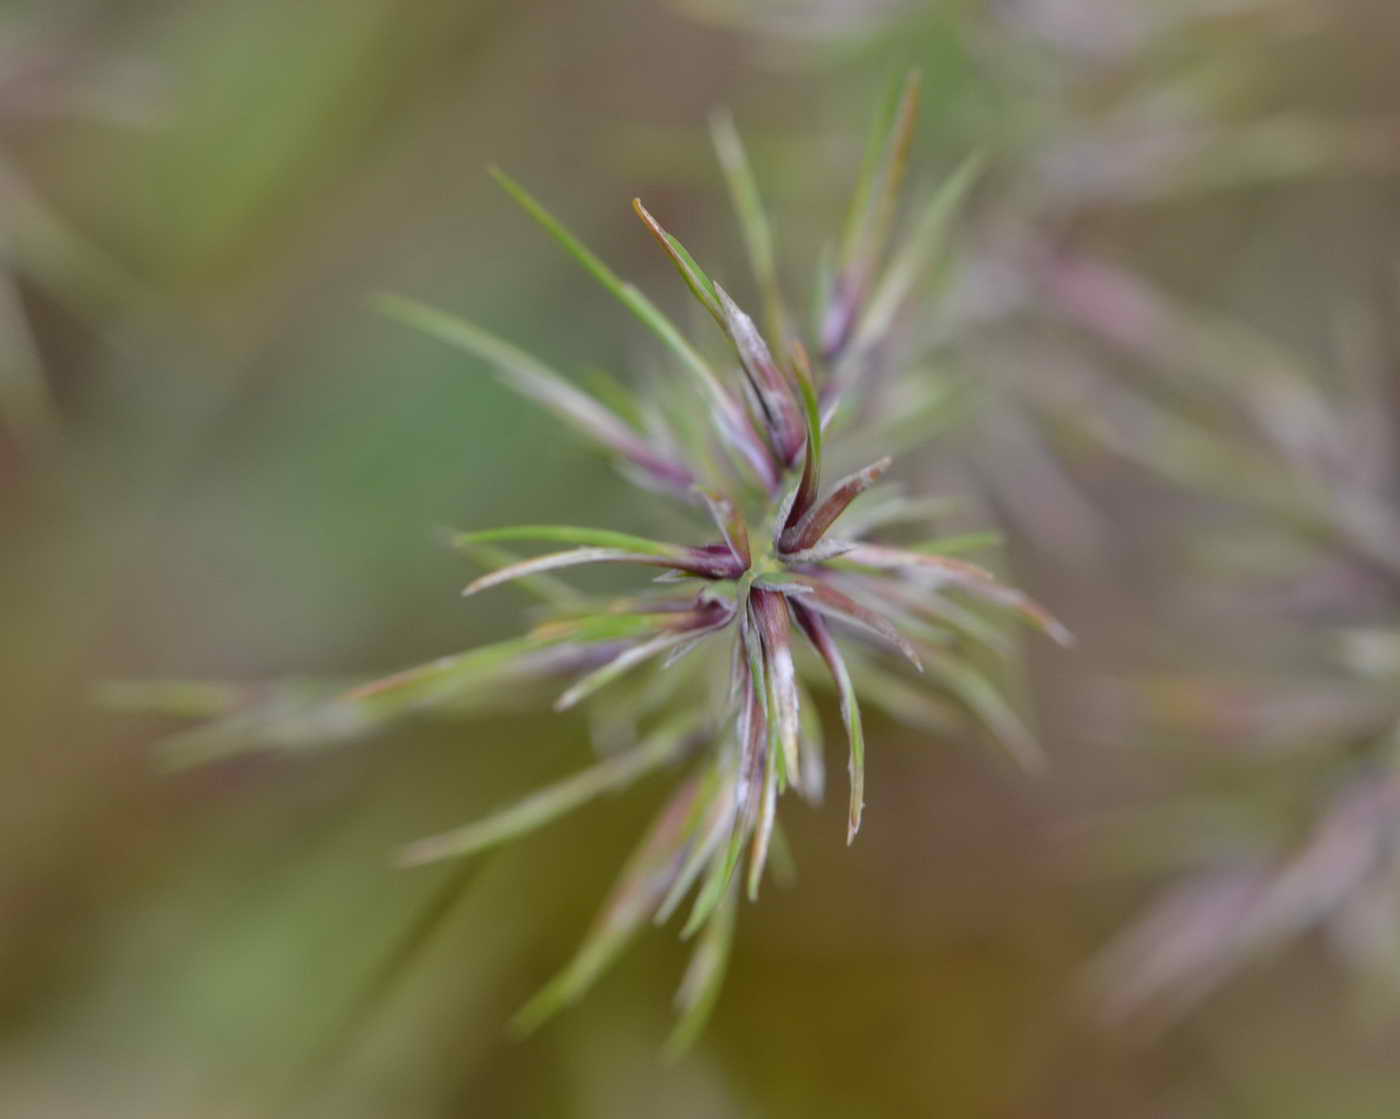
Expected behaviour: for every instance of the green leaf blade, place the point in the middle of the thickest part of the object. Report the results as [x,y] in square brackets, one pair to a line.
[548,804]
[583,536]
[536,381]
[826,647]
[641,885]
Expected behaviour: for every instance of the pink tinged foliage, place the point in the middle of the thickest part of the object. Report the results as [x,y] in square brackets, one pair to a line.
[761,560]
[812,526]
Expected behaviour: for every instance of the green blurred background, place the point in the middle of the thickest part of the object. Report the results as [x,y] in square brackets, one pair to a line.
[216,461]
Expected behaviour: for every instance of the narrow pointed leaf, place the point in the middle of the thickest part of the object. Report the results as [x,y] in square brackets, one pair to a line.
[549,804]
[784,517]
[941,610]
[896,509]
[877,152]
[646,311]
[780,585]
[546,588]
[612,627]
[968,623]
[872,214]
[622,400]
[823,296]
[301,715]
[988,704]
[704,977]
[813,525]
[826,647]
[778,403]
[623,662]
[643,882]
[683,650]
[763,830]
[916,254]
[534,380]
[972,578]
[822,551]
[556,560]
[717,881]
[181,699]
[781,862]
[902,700]
[717,824]
[753,731]
[886,558]
[556,229]
[772,612]
[751,640]
[811,782]
[1027,607]
[730,523]
[694,276]
[572,534]
[426,680]
[961,542]
[806,493]
[448,678]
[753,222]
[826,599]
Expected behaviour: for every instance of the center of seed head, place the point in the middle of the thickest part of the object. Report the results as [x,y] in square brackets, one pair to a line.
[763,560]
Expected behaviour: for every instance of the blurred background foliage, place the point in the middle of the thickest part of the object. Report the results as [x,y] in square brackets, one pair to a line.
[1177,295]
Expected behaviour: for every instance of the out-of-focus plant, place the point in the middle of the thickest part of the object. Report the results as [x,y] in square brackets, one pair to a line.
[1150,101]
[1124,122]
[40,83]
[1298,826]
[1287,723]
[703,673]
[817,22]
[1115,125]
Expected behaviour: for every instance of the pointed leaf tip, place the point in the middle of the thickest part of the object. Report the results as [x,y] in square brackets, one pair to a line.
[820,636]
[571,558]
[872,212]
[809,529]
[526,375]
[699,283]
[645,311]
[753,223]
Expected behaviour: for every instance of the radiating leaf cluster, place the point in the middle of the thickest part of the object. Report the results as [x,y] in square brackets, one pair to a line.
[786,583]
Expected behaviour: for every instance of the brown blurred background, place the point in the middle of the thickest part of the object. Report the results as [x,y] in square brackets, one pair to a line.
[216,461]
